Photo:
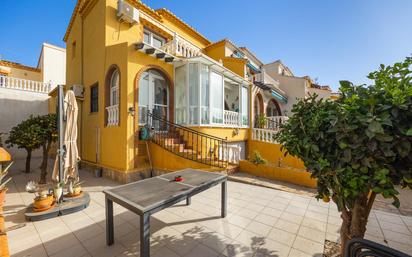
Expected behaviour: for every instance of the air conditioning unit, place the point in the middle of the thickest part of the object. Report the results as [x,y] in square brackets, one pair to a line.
[78,91]
[127,13]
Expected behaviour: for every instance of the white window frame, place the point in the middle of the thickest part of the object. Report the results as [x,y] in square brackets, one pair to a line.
[153,35]
[151,94]
[114,89]
[212,124]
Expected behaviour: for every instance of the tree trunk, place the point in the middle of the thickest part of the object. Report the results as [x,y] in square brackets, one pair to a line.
[354,221]
[43,167]
[28,160]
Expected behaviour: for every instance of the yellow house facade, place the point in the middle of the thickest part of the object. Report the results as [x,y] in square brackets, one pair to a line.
[145,61]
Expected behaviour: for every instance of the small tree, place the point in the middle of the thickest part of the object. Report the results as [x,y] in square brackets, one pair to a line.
[358,146]
[48,134]
[26,135]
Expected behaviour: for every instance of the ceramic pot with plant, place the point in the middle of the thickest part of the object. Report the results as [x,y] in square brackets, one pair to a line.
[3,188]
[42,200]
[74,187]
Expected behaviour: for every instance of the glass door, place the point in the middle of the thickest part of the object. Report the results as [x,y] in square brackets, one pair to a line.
[153,96]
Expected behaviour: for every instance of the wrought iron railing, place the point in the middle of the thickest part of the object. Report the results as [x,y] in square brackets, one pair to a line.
[187,143]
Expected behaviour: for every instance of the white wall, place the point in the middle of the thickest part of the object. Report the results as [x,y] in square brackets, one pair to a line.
[17,105]
[294,87]
[53,65]
[322,93]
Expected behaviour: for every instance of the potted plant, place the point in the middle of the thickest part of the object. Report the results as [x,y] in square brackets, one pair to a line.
[74,187]
[58,190]
[3,188]
[43,200]
[262,120]
[257,159]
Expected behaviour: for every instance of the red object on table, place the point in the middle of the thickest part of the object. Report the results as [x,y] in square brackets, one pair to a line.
[178,179]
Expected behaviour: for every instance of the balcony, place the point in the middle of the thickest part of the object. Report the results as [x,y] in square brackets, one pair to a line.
[24,84]
[275,122]
[268,128]
[112,115]
[181,48]
[267,83]
[171,51]
[232,119]
[264,135]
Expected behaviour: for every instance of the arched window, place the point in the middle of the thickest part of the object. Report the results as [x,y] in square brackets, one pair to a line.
[272,109]
[114,88]
[112,97]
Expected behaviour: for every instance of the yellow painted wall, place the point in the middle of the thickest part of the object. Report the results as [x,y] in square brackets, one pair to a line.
[236,65]
[165,160]
[223,132]
[272,153]
[21,73]
[216,52]
[291,175]
[109,42]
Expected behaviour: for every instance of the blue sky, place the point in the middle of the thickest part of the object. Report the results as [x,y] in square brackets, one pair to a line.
[328,40]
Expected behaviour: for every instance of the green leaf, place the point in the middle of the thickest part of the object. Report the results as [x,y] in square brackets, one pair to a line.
[375,127]
[409,132]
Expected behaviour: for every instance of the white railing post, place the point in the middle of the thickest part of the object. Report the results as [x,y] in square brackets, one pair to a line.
[231,118]
[274,122]
[112,115]
[264,135]
[24,84]
[230,153]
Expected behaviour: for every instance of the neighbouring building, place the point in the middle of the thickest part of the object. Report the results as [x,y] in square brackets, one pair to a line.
[24,89]
[295,87]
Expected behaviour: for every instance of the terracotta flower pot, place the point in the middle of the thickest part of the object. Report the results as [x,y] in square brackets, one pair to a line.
[45,203]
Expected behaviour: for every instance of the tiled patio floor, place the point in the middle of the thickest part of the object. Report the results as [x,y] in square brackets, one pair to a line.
[260,222]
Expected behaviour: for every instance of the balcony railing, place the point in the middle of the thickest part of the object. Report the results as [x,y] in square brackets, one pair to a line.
[274,122]
[232,118]
[230,153]
[264,78]
[264,135]
[181,48]
[24,84]
[112,115]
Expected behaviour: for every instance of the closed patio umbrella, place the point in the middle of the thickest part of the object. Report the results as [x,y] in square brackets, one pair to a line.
[71,154]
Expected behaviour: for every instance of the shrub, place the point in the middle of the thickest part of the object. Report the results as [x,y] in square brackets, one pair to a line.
[257,158]
[358,146]
[26,135]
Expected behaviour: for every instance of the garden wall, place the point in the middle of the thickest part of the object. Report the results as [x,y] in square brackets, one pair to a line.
[272,153]
[271,171]
[18,105]
[279,167]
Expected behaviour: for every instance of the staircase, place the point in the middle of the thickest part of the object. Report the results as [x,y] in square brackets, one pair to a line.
[187,143]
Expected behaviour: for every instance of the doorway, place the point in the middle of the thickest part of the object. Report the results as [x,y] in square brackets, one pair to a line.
[153,95]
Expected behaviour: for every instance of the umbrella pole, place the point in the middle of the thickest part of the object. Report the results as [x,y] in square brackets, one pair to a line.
[60,115]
